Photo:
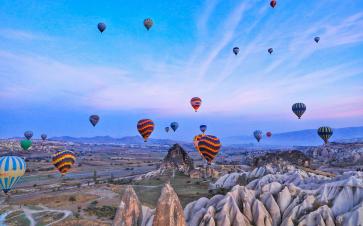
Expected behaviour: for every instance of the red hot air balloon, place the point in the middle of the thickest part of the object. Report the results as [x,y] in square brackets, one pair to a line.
[273,3]
[269,134]
[145,128]
[209,147]
[196,102]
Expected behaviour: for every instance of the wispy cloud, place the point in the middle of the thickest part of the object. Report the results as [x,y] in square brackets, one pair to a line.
[22,35]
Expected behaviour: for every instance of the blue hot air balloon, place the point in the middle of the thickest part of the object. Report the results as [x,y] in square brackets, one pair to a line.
[174,126]
[203,128]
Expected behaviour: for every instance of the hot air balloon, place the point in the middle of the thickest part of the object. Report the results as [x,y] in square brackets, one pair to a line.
[145,128]
[196,102]
[25,144]
[63,161]
[196,141]
[299,109]
[101,27]
[203,128]
[174,126]
[209,146]
[325,133]
[28,134]
[235,50]
[273,3]
[270,50]
[167,129]
[258,135]
[268,134]
[317,39]
[43,136]
[94,119]
[148,23]
[12,168]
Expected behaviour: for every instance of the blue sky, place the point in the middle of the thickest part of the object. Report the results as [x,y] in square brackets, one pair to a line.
[57,69]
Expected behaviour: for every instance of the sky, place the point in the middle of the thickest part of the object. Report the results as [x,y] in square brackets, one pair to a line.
[56,68]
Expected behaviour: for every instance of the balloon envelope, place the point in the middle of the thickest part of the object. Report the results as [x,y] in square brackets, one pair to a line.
[325,133]
[270,50]
[43,136]
[269,134]
[63,161]
[298,109]
[145,128]
[203,128]
[148,23]
[209,146]
[167,129]
[174,126]
[317,39]
[101,27]
[94,119]
[258,135]
[196,102]
[25,144]
[12,168]
[28,134]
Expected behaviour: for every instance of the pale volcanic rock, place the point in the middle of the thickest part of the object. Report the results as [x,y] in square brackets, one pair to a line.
[129,212]
[169,211]
[284,199]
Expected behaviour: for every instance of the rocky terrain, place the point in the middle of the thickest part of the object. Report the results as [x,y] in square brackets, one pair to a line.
[269,196]
[338,154]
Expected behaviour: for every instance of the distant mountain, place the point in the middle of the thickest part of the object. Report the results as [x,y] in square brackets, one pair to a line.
[112,140]
[307,137]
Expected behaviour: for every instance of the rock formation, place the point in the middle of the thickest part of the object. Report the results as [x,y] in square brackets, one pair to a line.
[129,212]
[169,211]
[292,198]
[178,159]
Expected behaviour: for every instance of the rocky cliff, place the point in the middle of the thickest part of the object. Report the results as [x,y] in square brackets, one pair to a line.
[177,158]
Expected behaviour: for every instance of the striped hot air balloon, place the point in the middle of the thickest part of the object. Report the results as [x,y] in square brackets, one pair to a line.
[299,109]
[325,133]
[209,147]
[12,168]
[63,161]
[145,128]
[196,102]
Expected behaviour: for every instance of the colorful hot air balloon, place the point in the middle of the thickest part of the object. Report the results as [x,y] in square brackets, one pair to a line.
[196,102]
[148,23]
[63,161]
[268,134]
[174,126]
[203,128]
[28,134]
[12,168]
[25,144]
[145,128]
[325,133]
[258,135]
[273,3]
[299,109]
[43,136]
[94,119]
[209,146]
[235,50]
[270,50]
[101,27]
[317,39]
[196,140]
[167,129]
